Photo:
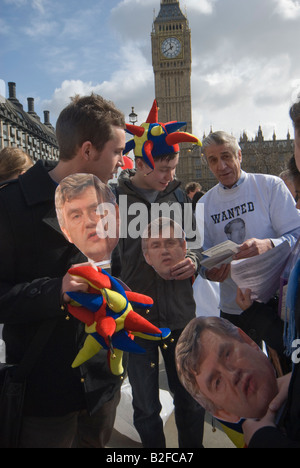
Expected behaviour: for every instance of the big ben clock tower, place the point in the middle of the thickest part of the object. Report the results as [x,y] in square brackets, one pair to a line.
[172,64]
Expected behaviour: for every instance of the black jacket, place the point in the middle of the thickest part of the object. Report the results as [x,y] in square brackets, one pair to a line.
[34,257]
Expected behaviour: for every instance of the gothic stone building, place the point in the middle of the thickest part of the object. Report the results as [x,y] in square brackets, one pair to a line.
[25,130]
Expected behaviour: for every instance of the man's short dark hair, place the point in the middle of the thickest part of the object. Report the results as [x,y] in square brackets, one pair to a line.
[88,118]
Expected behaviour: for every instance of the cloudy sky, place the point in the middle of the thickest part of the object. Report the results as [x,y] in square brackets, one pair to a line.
[246,66]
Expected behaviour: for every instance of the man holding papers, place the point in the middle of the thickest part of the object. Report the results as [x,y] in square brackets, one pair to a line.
[262,208]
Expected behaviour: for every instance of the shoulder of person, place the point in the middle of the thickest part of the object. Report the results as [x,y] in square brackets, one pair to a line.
[265,178]
[180,195]
[8,183]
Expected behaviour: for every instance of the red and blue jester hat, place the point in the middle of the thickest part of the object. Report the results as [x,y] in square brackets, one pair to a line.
[153,139]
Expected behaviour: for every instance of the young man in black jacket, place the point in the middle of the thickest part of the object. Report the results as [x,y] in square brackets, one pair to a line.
[63,407]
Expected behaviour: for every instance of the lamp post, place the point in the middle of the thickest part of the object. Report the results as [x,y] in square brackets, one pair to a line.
[133,117]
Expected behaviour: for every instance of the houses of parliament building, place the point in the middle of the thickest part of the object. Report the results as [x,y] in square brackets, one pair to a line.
[172,67]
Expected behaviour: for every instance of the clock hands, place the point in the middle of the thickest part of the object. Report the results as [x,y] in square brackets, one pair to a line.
[171,47]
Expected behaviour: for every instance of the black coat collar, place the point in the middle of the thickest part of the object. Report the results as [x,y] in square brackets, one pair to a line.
[36,184]
[38,187]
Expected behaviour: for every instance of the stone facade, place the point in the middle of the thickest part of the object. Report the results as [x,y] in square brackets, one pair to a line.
[25,130]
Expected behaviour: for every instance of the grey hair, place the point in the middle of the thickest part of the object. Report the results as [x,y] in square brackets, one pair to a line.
[190,354]
[74,185]
[221,138]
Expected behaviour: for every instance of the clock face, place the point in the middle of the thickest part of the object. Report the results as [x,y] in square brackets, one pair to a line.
[171,47]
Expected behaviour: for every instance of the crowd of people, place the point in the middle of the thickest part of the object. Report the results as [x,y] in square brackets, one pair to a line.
[213,363]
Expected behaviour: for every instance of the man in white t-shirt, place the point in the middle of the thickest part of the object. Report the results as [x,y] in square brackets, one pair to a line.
[258,209]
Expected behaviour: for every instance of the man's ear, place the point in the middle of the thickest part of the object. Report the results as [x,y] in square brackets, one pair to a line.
[139,164]
[86,150]
[142,166]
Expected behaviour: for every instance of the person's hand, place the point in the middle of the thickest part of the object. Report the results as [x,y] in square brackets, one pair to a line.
[250,426]
[218,275]
[283,390]
[243,299]
[253,247]
[74,283]
[183,270]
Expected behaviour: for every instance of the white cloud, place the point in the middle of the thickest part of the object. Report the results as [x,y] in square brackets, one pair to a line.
[131,85]
[4,27]
[243,95]
[243,66]
[39,5]
[61,96]
[82,23]
[288,9]
[35,4]
[201,6]
[224,82]
[17,3]
[41,29]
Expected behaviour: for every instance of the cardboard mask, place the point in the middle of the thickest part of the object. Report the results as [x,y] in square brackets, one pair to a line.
[164,246]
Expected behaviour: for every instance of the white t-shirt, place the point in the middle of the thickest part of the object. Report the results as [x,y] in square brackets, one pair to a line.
[260,207]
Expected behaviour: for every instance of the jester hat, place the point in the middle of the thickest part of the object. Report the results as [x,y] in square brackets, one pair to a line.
[154,139]
[110,321]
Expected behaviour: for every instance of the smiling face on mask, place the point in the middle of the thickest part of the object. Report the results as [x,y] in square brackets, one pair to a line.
[159,178]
